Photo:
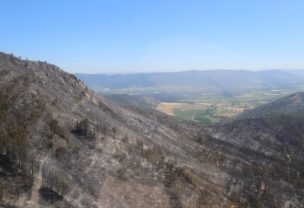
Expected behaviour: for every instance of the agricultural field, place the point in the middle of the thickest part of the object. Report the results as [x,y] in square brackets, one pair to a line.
[207,113]
[211,108]
[206,104]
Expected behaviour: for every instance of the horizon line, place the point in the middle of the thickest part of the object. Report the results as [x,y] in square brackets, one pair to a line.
[181,71]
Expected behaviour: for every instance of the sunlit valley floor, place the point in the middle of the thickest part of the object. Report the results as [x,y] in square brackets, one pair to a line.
[208,97]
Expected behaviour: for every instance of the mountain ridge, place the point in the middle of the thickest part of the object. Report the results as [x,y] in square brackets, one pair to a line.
[205,79]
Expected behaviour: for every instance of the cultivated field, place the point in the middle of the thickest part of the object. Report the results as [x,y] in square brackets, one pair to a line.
[208,113]
[211,109]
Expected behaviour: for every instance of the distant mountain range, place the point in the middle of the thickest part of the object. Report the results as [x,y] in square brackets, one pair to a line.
[225,81]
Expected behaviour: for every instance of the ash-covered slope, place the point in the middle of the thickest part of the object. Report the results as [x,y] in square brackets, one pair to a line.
[62,146]
[274,133]
[71,148]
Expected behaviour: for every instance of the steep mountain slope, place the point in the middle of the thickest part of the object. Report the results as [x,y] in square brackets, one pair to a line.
[272,131]
[78,150]
[62,146]
[132,100]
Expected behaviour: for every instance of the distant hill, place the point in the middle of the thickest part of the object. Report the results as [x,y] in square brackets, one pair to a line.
[292,105]
[226,81]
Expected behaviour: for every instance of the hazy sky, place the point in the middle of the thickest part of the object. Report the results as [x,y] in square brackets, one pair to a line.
[155,35]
